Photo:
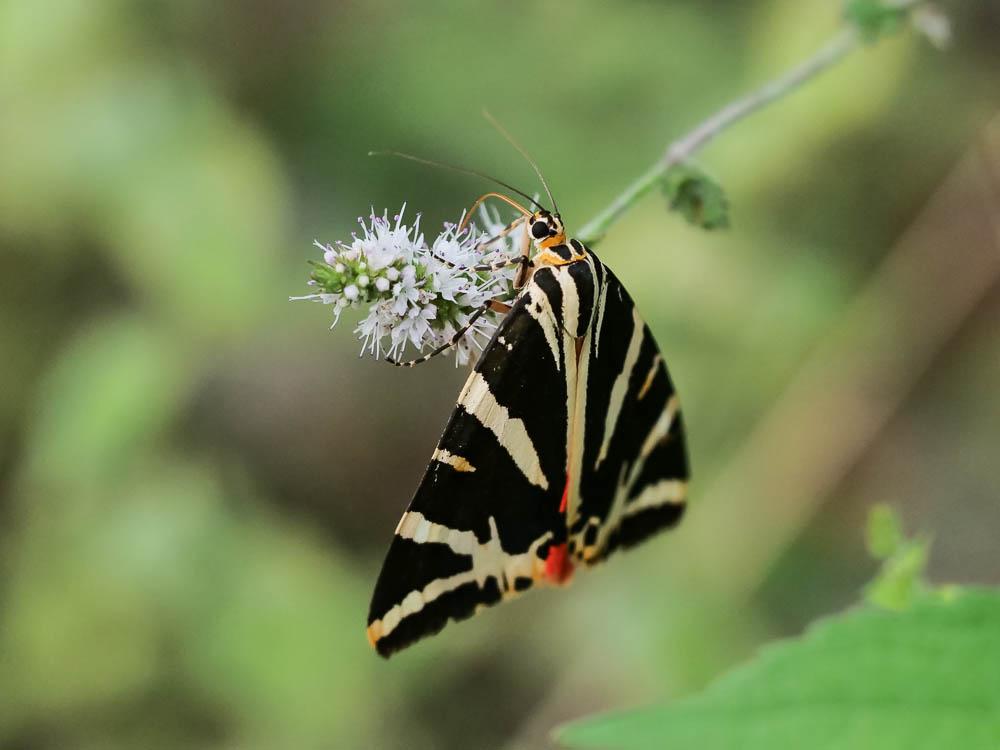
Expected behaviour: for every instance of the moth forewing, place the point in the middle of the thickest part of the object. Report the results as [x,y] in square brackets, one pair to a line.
[483,535]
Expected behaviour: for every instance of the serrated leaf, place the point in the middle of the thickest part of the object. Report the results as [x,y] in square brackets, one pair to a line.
[923,679]
[696,196]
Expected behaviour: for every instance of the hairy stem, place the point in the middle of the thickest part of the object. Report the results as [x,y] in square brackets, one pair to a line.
[834,51]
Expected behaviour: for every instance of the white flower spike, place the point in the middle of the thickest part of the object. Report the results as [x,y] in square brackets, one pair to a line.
[417,294]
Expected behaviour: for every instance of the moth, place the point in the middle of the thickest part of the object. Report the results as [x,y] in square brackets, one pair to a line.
[565,445]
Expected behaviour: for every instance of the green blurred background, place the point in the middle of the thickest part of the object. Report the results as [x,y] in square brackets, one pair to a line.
[198,480]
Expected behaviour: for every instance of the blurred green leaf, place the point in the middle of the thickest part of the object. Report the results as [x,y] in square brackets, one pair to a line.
[103,402]
[899,581]
[696,196]
[900,578]
[279,638]
[884,533]
[874,18]
[867,680]
[253,614]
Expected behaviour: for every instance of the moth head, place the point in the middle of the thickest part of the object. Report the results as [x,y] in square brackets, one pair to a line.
[546,229]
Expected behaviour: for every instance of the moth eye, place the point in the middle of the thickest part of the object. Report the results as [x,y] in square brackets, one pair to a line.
[539,229]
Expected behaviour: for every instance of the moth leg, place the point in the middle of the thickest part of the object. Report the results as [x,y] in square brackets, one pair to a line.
[483,245]
[495,305]
[484,267]
[502,233]
[498,307]
[524,272]
[525,213]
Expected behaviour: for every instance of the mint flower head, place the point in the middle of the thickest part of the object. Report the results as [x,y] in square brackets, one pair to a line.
[418,294]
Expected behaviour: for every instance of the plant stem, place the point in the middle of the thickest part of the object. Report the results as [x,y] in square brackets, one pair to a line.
[681,150]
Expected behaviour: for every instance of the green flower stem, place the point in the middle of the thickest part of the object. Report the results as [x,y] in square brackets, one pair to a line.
[846,41]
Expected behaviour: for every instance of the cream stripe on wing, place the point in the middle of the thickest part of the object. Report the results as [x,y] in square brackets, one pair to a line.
[672,491]
[477,399]
[414,602]
[570,302]
[649,377]
[576,430]
[488,561]
[622,505]
[620,388]
[545,318]
[656,434]
[611,521]
[413,525]
[458,463]
[602,299]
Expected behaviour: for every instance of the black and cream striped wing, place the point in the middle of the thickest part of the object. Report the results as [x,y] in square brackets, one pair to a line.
[629,466]
[486,514]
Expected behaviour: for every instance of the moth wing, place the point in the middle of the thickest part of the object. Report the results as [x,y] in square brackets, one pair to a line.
[630,466]
[487,510]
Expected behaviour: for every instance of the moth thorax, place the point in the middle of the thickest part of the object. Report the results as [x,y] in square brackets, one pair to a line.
[559,253]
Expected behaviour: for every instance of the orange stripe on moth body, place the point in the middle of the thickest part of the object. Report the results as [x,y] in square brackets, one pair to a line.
[558,239]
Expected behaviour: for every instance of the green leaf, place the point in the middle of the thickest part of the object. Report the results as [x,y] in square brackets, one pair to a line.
[871,679]
[900,578]
[899,582]
[698,198]
[874,18]
[104,403]
[884,532]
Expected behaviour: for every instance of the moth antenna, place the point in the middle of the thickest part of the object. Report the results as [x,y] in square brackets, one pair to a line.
[521,150]
[456,168]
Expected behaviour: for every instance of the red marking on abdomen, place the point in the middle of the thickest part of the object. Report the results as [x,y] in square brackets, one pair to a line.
[558,565]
